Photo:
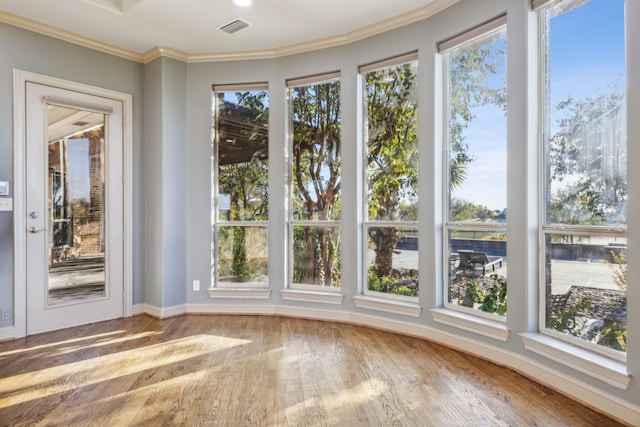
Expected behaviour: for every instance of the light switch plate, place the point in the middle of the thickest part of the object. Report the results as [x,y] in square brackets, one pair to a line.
[6,204]
[4,188]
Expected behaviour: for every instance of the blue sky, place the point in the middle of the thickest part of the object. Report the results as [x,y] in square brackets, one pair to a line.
[586,58]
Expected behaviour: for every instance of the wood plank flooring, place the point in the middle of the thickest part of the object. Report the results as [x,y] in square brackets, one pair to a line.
[210,370]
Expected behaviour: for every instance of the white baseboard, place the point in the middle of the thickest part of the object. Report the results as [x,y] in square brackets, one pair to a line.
[588,395]
[7,333]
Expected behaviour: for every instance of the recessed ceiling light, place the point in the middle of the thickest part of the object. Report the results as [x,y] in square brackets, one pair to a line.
[242,3]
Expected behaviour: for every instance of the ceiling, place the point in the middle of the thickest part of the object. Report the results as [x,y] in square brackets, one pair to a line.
[189,28]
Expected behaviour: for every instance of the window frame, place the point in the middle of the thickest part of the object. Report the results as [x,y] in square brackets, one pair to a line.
[290,285]
[395,61]
[541,7]
[216,223]
[474,34]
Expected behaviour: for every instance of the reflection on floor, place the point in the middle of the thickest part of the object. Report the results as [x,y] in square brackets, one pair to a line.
[77,279]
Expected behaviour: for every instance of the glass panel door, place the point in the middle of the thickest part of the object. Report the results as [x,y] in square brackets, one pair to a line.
[76,204]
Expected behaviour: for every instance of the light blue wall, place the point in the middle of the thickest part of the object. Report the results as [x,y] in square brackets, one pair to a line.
[165,183]
[172,166]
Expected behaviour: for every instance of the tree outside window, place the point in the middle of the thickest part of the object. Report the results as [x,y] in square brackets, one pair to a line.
[316,183]
[241,190]
[391,105]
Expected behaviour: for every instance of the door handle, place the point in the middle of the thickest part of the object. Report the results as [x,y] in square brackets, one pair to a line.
[34,230]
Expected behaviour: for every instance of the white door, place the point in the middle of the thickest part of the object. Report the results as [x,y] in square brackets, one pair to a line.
[74,208]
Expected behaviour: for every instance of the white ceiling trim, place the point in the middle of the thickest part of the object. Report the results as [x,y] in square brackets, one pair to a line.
[68,36]
[161,51]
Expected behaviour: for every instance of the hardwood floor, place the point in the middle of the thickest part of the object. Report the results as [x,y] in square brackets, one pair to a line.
[262,371]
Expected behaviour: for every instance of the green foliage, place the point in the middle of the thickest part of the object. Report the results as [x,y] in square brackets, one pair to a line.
[316,174]
[495,298]
[463,210]
[570,319]
[312,246]
[472,83]
[246,182]
[613,336]
[488,294]
[392,155]
[379,283]
[495,237]
[393,284]
[619,265]
[402,290]
[595,163]
[239,266]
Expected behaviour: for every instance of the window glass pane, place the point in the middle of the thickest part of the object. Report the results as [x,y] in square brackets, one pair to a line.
[315,157]
[316,255]
[586,123]
[586,284]
[392,143]
[478,270]
[242,254]
[242,155]
[392,260]
[585,171]
[476,276]
[241,186]
[477,147]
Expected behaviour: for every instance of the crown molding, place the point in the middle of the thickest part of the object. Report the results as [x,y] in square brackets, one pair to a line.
[68,36]
[166,52]
[374,29]
[162,51]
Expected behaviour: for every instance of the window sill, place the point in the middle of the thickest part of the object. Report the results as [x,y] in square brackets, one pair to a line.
[312,296]
[388,305]
[479,325]
[245,293]
[593,364]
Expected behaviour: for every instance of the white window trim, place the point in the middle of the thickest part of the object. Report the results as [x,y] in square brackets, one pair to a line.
[372,299]
[307,295]
[302,291]
[234,292]
[488,324]
[548,342]
[221,289]
[473,34]
[472,322]
[610,371]
[388,305]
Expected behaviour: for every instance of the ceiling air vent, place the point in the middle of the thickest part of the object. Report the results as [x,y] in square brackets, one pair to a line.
[233,26]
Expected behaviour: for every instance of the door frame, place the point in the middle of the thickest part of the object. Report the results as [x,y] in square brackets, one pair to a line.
[20,79]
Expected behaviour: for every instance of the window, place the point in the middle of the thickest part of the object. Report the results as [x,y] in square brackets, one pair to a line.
[315,199]
[391,157]
[240,187]
[475,167]
[585,177]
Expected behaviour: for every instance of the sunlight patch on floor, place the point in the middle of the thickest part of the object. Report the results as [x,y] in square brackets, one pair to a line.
[62,378]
